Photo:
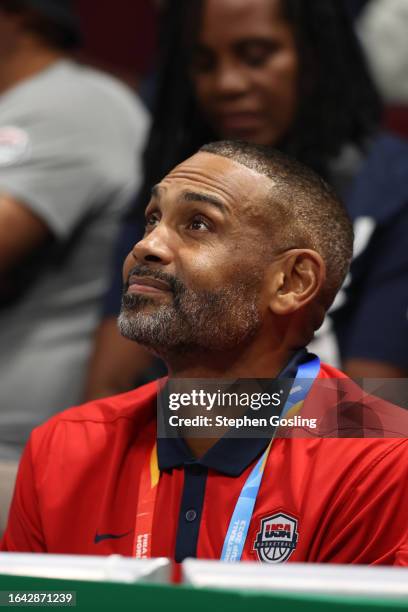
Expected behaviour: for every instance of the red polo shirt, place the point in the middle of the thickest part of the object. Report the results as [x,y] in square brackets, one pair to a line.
[336,500]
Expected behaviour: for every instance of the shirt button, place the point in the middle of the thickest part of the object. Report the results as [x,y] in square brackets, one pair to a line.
[191,515]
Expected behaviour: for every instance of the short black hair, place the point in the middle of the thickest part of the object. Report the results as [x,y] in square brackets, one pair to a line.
[311,214]
[59,35]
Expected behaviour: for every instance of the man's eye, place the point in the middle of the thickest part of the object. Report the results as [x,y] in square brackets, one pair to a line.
[152,220]
[199,224]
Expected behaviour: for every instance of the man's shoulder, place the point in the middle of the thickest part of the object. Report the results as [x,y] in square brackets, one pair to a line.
[329,371]
[124,405]
[356,409]
[138,405]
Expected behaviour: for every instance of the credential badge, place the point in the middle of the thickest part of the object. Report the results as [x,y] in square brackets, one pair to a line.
[277,538]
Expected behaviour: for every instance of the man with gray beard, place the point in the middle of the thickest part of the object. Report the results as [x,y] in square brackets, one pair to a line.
[244,251]
[194,318]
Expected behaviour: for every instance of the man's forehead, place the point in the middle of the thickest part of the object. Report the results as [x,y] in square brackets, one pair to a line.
[226,177]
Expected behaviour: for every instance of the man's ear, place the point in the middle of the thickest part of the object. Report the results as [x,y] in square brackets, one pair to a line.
[296,279]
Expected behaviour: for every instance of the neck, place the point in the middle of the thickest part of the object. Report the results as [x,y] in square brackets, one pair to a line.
[259,359]
[26,60]
[255,361]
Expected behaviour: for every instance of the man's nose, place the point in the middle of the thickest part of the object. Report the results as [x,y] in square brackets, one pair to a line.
[154,247]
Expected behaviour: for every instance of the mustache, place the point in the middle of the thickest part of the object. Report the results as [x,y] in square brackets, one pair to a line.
[176,286]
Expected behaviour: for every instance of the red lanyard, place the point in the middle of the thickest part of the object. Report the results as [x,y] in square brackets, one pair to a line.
[142,545]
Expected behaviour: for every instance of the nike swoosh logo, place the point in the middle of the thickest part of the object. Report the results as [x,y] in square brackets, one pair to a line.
[100,537]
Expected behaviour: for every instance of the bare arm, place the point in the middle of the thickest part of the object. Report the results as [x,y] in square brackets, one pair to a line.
[115,364]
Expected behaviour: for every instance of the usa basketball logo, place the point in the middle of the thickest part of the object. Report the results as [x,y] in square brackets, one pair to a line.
[277,538]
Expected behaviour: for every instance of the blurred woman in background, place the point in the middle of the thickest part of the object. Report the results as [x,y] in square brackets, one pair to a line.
[290,74]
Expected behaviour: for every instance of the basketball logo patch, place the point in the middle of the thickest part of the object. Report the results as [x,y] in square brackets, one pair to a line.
[277,538]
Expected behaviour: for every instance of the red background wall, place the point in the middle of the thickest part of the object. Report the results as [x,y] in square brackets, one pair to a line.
[119,35]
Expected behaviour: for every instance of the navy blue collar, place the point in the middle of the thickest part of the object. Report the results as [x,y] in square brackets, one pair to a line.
[230,456]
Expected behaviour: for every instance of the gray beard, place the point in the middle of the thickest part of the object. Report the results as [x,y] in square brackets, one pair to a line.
[194,321]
